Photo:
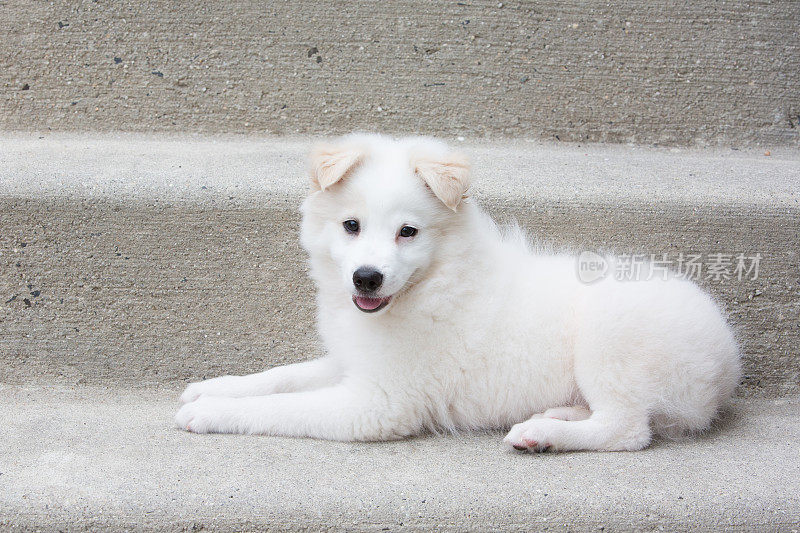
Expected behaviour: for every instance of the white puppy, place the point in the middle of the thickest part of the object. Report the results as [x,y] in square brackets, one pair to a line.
[433,320]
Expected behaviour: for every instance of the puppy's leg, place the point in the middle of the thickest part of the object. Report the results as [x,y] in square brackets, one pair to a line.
[609,430]
[567,413]
[341,412]
[290,378]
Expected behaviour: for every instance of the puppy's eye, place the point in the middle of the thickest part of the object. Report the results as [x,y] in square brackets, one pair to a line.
[408,231]
[351,226]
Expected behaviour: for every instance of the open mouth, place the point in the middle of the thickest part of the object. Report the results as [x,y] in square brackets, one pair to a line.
[370,305]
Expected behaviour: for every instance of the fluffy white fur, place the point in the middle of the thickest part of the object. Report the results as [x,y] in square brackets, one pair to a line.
[480,332]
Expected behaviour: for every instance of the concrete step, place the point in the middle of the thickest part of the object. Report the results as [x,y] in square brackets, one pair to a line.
[95,458]
[130,264]
[647,71]
[143,260]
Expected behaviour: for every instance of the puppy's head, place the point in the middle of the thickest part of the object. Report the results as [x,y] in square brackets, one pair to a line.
[377,210]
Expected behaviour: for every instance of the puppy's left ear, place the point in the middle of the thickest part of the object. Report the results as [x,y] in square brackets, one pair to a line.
[447,177]
[331,162]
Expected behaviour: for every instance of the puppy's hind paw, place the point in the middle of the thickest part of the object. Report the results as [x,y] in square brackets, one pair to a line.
[522,437]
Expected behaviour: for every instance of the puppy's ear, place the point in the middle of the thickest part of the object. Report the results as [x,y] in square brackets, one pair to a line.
[447,177]
[330,163]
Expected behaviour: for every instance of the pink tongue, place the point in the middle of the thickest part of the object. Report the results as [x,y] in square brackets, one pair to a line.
[368,303]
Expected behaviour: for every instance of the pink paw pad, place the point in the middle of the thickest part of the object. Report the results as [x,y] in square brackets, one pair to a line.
[535,445]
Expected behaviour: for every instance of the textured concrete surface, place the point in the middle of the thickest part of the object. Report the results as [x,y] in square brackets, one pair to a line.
[700,72]
[95,459]
[129,260]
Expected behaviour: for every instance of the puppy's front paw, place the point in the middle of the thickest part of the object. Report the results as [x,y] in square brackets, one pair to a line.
[221,386]
[206,415]
[535,435]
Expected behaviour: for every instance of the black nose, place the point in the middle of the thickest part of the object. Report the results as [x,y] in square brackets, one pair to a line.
[367,279]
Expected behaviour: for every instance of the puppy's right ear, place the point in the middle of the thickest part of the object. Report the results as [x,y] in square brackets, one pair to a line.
[330,163]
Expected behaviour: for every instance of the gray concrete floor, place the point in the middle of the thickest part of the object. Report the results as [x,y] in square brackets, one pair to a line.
[96,458]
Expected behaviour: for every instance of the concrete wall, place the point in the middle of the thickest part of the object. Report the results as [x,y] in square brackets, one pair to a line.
[690,72]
